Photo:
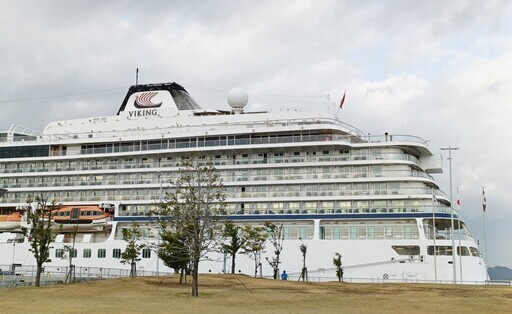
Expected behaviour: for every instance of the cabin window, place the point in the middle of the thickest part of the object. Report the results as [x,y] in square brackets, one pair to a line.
[102,253]
[408,232]
[87,253]
[286,233]
[474,251]
[73,253]
[440,250]
[146,253]
[407,249]
[116,253]
[59,253]
[462,250]
[354,233]
[371,232]
[302,233]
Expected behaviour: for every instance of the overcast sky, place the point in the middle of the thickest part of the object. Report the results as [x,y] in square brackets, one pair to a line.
[441,70]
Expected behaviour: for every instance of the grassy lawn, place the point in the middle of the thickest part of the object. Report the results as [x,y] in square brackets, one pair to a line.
[242,294]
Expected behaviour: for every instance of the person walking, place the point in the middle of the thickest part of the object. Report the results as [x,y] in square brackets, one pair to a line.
[284,275]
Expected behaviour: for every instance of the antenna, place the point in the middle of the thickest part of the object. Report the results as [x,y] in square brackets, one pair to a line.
[137,77]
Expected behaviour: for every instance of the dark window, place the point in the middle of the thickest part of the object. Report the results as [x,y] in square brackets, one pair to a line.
[407,249]
[73,253]
[116,253]
[440,250]
[465,251]
[59,253]
[474,251]
[25,151]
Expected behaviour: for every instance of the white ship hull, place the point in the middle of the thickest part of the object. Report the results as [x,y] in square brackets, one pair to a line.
[362,259]
[367,261]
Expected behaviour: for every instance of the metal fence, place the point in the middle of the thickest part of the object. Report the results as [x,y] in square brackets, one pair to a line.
[296,277]
[14,276]
[25,276]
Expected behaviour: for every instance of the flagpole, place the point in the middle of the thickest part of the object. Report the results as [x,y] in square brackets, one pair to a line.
[460,236]
[434,231]
[484,207]
[449,149]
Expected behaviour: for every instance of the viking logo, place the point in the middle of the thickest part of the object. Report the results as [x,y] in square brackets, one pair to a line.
[143,100]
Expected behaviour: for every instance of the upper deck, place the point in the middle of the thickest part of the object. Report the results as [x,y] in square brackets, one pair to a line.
[165,117]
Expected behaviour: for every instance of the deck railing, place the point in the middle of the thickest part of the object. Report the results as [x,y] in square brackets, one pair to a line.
[354,134]
[25,275]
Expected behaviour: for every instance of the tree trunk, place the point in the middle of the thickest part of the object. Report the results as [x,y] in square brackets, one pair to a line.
[182,274]
[38,275]
[276,270]
[233,263]
[133,270]
[195,281]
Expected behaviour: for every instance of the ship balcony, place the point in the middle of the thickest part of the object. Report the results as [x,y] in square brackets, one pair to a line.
[143,162]
[329,211]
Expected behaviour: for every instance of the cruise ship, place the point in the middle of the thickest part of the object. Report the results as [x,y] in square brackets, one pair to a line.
[371,199]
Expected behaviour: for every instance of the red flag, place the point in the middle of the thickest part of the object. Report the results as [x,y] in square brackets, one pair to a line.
[342,100]
[484,200]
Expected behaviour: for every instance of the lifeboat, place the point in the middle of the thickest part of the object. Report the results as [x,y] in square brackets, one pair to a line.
[83,217]
[10,222]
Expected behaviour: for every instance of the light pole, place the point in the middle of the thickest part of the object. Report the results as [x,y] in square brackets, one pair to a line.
[13,250]
[160,196]
[434,232]
[459,235]
[449,149]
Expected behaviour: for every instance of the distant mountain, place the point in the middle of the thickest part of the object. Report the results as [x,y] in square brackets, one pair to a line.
[500,273]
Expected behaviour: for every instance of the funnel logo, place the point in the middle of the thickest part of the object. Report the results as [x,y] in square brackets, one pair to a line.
[143,100]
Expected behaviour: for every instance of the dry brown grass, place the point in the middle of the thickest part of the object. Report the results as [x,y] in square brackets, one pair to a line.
[227,294]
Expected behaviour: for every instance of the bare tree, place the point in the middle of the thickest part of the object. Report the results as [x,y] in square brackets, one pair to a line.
[39,232]
[192,206]
[276,237]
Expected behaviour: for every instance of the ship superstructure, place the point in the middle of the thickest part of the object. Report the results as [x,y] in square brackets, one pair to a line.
[371,198]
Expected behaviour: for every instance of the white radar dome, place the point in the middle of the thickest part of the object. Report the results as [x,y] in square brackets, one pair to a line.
[237,98]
